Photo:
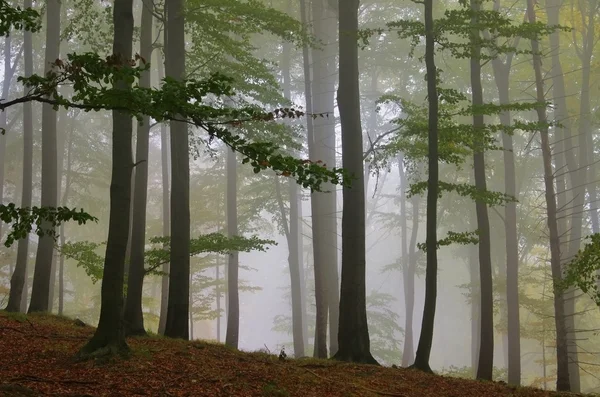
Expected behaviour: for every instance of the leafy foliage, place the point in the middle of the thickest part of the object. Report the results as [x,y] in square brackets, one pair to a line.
[93,79]
[85,252]
[45,219]
[582,271]
[17,18]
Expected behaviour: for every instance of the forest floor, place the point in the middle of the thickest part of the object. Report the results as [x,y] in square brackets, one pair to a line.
[37,359]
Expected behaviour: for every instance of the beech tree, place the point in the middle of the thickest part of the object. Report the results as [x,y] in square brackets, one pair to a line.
[43,259]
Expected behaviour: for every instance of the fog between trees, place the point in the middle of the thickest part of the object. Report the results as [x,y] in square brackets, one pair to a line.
[227,133]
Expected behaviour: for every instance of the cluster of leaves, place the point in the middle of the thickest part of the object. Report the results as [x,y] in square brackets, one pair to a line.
[45,219]
[85,252]
[454,32]
[93,79]
[17,18]
[213,242]
[582,271]
[463,238]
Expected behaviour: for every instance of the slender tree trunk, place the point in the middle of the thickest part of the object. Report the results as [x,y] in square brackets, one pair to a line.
[475,307]
[320,342]
[18,281]
[110,334]
[293,235]
[292,241]
[562,375]
[179,280]
[43,259]
[486,350]
[233,312]
[65,198]
[166,205]
[353,336]
[191,309]
[408,264]
[133,315]
[218,296]
[426,337]
[60,154]
[324,207]
[501,75]
[8,75]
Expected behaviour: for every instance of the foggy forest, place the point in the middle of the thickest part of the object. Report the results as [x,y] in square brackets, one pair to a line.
[408,187]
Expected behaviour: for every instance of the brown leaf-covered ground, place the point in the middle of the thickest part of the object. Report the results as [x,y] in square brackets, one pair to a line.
[36,359]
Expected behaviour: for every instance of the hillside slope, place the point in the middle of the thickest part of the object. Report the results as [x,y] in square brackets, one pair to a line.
[37,359]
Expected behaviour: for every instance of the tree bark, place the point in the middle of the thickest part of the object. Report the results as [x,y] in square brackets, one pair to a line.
[501,76]
[320,340]
[486,350]
[179,276]
[562,372]
[17,300]
[353,337]
[43,260]
[408,265]
[166,206]
[133,315]
[233,311]
[293,235]
[426,337]
[324,207]
[65,198]
[110,334]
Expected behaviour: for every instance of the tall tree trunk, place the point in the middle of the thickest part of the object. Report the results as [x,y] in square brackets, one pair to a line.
[110,334]
[486,350]
[179,276]
[501,76]
[60,160]
[18,281]
[475,307]
[353,337]
[324,208]
[65,198]
[292,241]
[320,341]
[408,264]
[233,312]
[574,203]
[8,75]
[218,296]
[166,206]
[426,337]
[293,235]
[43,260]
[562,372]
[133,315]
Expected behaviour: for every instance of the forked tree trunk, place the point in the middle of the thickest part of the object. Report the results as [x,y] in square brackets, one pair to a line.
[133,315]
[110,334]
[179,275]
[562,372]
[17,300]
[44,256]
[426,337]
[353,337]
